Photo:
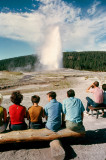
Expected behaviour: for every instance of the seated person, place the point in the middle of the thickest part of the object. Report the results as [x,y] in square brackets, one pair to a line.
[17,112]
[3,116]
[104,97]
[98,96]
[53,112]
[73,110]
[35,114]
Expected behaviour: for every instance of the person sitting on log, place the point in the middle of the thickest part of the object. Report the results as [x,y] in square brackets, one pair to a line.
[53,112]
[35,114]
[98,96]
[3,116]
[73,110]
[17,112]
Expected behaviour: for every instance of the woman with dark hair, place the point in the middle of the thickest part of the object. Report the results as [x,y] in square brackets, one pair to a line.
[17,112]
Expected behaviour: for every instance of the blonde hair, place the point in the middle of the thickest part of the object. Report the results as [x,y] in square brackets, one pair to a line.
[1,98]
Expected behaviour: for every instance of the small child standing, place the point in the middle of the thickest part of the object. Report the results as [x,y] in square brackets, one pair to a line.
[35,114]
[3,116]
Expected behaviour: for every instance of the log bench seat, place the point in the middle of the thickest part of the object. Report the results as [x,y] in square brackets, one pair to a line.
[37,135]
[96,109]
[31,135]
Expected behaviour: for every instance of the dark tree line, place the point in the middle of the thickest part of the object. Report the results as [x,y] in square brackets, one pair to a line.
[19,63]
[89,60]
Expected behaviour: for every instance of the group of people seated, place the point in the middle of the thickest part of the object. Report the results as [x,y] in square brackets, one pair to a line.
[57,115]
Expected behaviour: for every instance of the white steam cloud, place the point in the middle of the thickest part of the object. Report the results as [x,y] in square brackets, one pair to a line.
[51,53]
[66,25]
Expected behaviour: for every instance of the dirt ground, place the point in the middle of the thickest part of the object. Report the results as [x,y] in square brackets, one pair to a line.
[92,147]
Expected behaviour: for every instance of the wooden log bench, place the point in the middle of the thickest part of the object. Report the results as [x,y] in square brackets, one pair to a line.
[31,135]
[96,109]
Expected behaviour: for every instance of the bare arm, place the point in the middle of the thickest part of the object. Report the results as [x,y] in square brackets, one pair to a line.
[5,114]
[91,86]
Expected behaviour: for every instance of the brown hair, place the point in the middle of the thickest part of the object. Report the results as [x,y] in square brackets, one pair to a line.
[71,93]
[35,99]
[52,94]
[96,83]
[16,97]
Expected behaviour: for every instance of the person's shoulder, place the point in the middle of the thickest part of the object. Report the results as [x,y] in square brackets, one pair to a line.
[66,99]
[23,107]
[78,99]
[13,105]
[41,107]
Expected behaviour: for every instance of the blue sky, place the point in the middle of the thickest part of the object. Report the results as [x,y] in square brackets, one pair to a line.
[24,25]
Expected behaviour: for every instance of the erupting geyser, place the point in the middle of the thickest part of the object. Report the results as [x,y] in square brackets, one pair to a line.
[51,53]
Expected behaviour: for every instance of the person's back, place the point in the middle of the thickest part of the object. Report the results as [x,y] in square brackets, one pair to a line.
[35,113]
[53,112]
[73,110]
[17,112]
[98,94]
[104,94]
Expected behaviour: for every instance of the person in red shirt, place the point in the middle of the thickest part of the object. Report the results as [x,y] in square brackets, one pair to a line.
[17,112]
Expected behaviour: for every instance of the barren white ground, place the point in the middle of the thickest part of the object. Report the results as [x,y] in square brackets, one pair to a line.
[94,146]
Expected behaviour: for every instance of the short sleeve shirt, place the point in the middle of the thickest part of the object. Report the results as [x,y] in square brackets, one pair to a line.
[73,109]
[53,111]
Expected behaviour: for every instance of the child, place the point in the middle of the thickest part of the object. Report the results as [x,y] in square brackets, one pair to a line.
[3,117]
[35,114]
[17,112]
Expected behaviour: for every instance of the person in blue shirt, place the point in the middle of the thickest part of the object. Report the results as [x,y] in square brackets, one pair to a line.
[53,112]
[73,110]
[104,97]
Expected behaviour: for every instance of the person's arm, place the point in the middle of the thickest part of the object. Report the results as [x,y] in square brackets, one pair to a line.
[82,115]
[63,120]
[5,114]
[46,112]
[88,89]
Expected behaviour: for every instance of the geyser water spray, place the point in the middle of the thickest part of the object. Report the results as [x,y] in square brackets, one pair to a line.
[51,53]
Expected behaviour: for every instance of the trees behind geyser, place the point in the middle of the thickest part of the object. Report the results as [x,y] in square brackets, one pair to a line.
[23,63]
[88,60]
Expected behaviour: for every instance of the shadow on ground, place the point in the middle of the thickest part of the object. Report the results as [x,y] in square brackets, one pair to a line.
[92,137]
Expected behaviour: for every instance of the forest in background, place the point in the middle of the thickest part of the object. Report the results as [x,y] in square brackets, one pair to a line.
[87,60]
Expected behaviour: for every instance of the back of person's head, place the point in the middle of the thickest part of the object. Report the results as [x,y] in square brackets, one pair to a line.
[104,87]
[71,93]
[1,98]
[96,83]
[52,94]
[35,99]
[16,97]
